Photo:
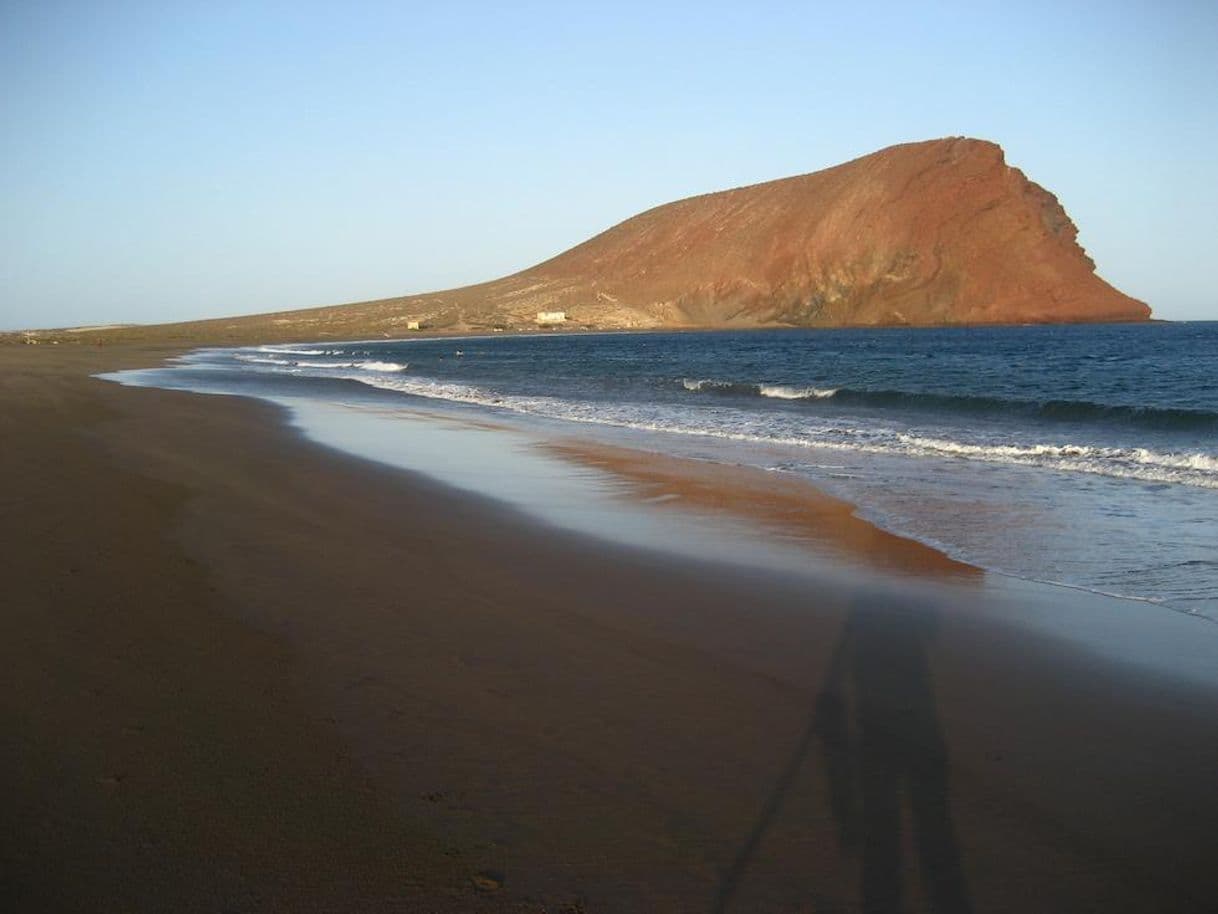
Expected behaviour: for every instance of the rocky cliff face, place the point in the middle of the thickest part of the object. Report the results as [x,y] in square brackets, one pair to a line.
[933,233]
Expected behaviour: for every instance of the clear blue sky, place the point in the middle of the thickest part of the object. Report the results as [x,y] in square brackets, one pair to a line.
[164,161]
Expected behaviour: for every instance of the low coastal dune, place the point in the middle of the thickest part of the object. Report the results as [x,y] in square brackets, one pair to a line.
[244,672]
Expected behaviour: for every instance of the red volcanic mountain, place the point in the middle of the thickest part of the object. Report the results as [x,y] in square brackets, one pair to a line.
[933,233]
[942,232]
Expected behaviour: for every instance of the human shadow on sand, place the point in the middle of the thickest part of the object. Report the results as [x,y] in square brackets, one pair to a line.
[881,750]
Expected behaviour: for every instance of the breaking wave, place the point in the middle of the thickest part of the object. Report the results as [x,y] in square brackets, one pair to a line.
[777,391]
[289,351]
[364,365]
[900,400]
[782,392]
[1147,465]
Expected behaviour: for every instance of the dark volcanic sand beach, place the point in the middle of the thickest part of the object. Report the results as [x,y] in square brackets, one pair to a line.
[247,673]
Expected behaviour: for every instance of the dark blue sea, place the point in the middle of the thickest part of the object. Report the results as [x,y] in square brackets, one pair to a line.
[1079,455]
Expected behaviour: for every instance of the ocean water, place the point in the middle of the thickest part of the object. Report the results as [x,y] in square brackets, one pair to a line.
[1085,456]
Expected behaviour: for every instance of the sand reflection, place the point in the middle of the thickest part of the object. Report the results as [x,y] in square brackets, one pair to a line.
[790,509]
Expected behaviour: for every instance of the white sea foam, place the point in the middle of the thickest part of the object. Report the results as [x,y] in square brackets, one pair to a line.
[1202,462]
[743,425]
[1194,469]
[366,365]
[289,351]
[784,392]
[777,391]
[1137,463]
[262,360]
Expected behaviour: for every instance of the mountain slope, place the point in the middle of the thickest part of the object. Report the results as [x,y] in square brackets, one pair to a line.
[925,233]
[932,233]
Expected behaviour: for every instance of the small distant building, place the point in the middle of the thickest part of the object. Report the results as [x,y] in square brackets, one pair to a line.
[551,317]
[412,325]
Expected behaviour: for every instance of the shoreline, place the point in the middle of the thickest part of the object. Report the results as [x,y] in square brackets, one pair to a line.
[772,505]
[872,506]
[446,692]
[766,522]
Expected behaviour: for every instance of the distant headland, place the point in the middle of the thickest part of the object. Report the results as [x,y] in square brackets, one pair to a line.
[942,232]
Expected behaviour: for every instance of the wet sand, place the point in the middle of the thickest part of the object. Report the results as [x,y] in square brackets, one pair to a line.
[248,673]
[783,503]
